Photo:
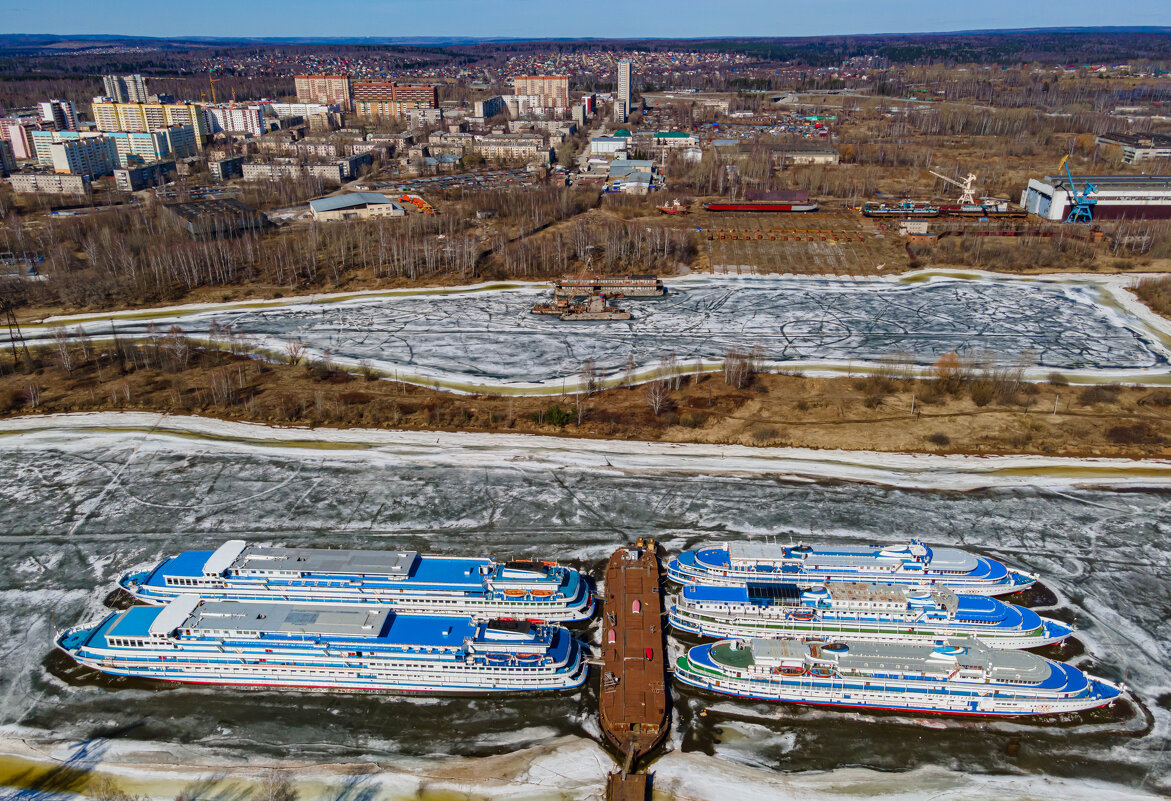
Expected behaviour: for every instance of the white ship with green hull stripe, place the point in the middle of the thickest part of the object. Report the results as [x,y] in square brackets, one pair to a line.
[860,612]
[963,677]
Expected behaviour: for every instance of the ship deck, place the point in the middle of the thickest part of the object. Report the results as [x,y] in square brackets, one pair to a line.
[633,697]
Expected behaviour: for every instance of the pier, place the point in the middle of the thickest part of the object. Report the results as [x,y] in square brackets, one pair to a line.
[633,701]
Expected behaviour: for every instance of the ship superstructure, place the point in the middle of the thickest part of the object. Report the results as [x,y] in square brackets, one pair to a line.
[859,612]
[328,647]
[912,563]
[963,677]
[405,580]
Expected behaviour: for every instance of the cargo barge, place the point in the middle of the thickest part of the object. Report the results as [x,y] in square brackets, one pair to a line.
[778,201]
[633,699]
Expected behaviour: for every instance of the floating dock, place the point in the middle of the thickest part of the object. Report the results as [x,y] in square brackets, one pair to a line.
[627,286]
[633,698]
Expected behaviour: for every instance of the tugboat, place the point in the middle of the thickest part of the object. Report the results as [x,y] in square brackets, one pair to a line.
[675,208]
[594,309]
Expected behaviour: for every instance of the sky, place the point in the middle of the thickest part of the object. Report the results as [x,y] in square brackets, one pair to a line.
[562,18]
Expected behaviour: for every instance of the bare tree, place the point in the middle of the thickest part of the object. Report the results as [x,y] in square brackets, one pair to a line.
[294,351]
[628,371]
[83,343]
[589,377]
[658,395]
[64,353]
[275,787]
[33,392]
[737,369]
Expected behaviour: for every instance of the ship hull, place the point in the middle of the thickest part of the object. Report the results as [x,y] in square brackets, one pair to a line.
[761,207]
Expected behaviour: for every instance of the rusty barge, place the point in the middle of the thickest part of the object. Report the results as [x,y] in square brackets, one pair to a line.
[633,699]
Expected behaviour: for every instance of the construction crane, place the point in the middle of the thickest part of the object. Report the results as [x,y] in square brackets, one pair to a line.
[1082,205]
[212,82]
[967,196]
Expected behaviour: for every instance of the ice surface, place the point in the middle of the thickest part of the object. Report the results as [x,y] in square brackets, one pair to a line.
[489,338]
[88,497]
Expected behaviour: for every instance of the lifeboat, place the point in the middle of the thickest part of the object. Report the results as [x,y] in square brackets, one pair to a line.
[802,614]
[528,657]
[515,593]
[542,593]
[789,670]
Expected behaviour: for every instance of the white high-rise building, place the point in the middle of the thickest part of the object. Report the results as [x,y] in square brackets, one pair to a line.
[125,88]
[622,101]
[62,113]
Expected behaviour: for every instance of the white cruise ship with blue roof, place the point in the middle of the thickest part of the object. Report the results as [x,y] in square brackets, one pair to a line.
[962,677]
[327,647]
[405,580]
[911,564]
[859,612]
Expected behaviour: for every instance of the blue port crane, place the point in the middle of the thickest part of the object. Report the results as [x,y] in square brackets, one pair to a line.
[1082,208]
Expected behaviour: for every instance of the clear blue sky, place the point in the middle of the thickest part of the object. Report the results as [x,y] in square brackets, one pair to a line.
[561,18]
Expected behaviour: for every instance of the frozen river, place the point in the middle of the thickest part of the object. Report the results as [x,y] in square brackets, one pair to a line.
[490,339]
[85,501]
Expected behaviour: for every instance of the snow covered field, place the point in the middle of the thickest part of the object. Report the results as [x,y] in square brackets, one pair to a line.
[87,497]
[488,339]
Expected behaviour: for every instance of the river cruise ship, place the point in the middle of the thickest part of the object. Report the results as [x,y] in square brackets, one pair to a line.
[406,580]
[912,564]
[964,677]
[859,611]
[327,647]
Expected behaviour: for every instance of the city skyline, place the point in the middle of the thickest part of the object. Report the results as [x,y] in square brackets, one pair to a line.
[531,19]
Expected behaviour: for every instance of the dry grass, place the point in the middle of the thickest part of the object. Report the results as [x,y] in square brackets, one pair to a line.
[869,414]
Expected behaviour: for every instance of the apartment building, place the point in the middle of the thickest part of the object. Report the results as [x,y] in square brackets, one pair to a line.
[553,90]
[127,149]
[513,146]
[60,113]
[622,99]
[17,132]
[391,100]
[150,117]
[7,160]
[132,179]
[125,88]
[327,89]
[489,107]
[91,156]
[49,183]
[330,173]
[236,119]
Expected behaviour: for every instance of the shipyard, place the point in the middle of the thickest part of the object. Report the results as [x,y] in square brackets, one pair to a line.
[525,402]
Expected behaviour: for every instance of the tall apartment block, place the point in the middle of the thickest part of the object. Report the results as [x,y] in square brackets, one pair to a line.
[151,117]
[391,100]
[125,88]
[552,89]
[324,89]
[62,113]
[622,99]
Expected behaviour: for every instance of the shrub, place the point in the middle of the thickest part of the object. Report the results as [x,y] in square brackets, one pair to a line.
[1092,395]
[940,439]
[1137,434]
[1058,380]
[555,416]
[763,434]
[983,392]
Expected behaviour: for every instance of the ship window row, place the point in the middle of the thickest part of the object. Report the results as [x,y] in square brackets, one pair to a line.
[126,642]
